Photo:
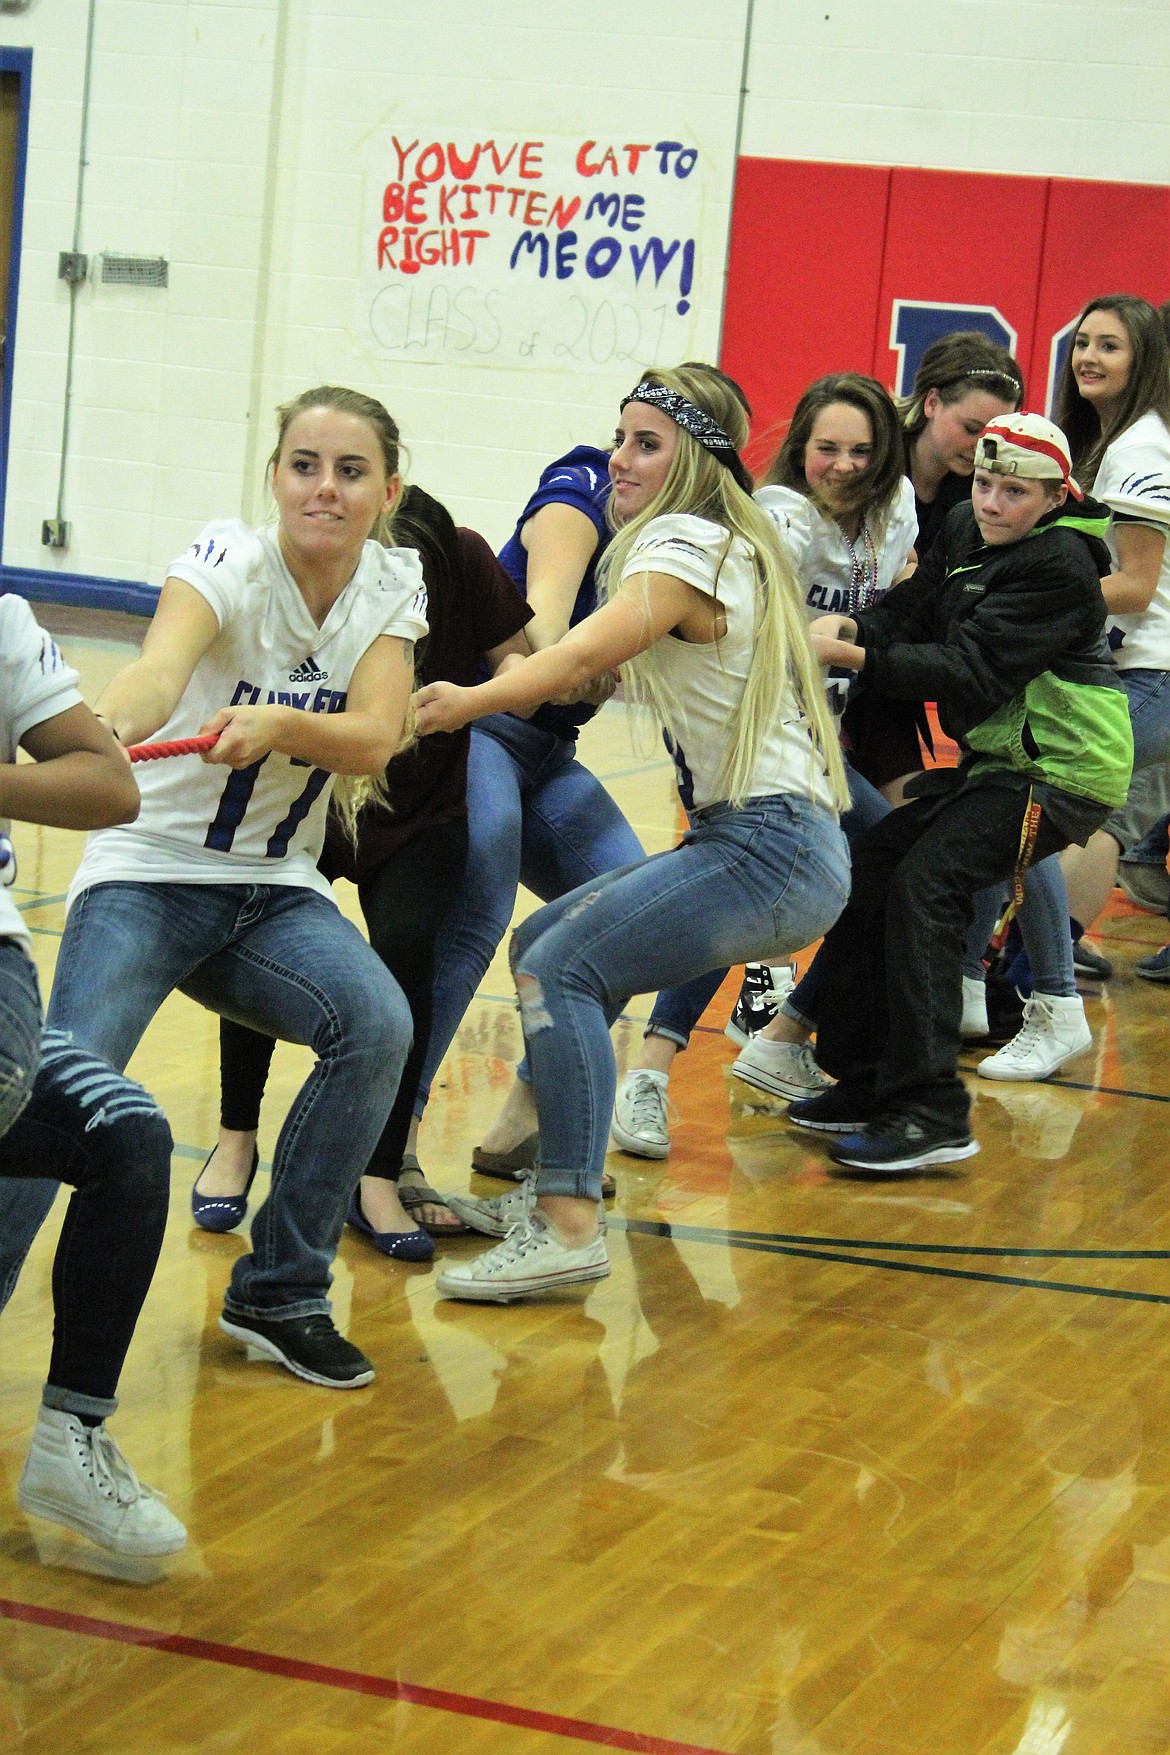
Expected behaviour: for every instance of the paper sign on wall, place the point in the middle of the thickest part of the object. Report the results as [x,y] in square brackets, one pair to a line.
[507,250]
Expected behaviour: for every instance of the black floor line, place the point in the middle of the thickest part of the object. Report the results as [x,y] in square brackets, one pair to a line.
[731,1240]
[704,1234]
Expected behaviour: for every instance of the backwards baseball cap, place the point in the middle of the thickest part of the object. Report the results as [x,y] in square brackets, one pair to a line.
[1028,445]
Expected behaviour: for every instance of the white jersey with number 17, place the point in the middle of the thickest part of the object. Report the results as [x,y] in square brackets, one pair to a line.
[263,824]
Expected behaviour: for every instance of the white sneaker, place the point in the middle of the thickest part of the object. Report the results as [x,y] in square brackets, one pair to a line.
[1054,1029]
[786,1069]
[531,1258]
[640,1114]
[76,1475]
[761,993]
[974,1027]
[495,1217]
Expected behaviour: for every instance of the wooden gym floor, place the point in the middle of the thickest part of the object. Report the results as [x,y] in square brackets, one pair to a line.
[826,1466]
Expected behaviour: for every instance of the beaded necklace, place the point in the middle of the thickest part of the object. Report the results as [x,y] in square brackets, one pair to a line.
[863,569]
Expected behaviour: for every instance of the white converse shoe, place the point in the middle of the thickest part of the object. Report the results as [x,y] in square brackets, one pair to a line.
[640,1114]
[76,1475]
[974,1027]
[531,1258]
[786,1069]
[495,1217]
[1054,1029]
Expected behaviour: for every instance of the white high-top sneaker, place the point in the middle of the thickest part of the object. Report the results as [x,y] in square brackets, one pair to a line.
[1054,1029]
[75,1474]
[974,1027]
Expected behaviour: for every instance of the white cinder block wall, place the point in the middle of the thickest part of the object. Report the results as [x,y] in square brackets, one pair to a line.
[233,138]
[1037,87]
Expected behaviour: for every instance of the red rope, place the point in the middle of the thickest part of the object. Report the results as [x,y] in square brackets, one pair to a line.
[182,746]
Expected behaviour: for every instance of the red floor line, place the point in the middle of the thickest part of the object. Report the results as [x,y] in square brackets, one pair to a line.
[352,1681]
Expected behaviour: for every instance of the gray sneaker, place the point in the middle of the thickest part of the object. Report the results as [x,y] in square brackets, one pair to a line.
[641,1112]
[495,1217]
[531,1259]
[784,1069]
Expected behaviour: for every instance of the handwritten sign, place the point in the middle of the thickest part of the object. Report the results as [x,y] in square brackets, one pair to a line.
[507,250]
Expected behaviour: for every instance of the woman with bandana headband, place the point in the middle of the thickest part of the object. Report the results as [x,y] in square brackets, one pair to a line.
[704,615]
[536,815]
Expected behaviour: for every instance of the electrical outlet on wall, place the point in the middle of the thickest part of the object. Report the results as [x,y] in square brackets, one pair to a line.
[55,533]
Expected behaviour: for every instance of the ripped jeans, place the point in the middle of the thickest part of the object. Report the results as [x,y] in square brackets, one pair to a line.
[747,885]
[82,1123]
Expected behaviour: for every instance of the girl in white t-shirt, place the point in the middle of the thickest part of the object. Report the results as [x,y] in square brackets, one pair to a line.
[705,616]
[1113,403]
[294,644]
[838,493]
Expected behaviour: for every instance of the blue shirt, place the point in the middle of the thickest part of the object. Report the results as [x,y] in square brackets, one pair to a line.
[579,479]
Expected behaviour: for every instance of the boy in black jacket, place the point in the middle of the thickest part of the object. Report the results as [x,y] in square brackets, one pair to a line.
[1003,626]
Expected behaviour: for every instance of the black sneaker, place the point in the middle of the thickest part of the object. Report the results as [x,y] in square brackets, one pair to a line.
[1087,962]
[308,1346]
[840,1109]
[1155,967]
[901,1142]
[1005,1009]
[759,1000]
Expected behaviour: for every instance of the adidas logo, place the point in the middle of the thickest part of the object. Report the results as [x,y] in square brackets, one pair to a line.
[308,672]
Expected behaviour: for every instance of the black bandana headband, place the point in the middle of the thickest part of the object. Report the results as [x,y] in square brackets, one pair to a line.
[698,423]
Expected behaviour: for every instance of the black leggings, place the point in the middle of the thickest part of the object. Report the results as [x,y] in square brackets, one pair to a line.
[404,905]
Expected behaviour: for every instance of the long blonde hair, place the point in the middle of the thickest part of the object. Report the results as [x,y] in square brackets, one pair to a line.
[697,483]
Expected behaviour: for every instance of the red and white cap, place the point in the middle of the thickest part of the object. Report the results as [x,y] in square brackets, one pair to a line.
[1028,445]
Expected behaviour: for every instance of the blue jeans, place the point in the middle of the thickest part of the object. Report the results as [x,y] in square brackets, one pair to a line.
[80,1122]
[1149,715]
[286,962]
[535,816]
[1044,915]
[678,1010]
[749,885]
[20,1031]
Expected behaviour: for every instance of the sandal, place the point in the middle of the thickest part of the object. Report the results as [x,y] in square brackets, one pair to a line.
[416,1195]
[520,1162]
[514,1165]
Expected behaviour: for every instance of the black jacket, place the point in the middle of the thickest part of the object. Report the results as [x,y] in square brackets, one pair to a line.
[1009,641]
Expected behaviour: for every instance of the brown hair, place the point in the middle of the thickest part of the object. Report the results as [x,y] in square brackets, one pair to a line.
[954,366]
[873,488]
[1147,390]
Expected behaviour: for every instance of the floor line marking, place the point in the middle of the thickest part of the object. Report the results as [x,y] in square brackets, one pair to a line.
[915,1267]
[349,1681]
[702,1233]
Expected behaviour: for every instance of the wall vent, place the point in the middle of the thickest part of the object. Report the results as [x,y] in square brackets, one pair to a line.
[135,270]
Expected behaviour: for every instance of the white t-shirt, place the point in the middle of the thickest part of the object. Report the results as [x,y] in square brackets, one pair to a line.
[825,565]
[263,824]
[706,682]
[1134,478]
[35,684]
[820,554]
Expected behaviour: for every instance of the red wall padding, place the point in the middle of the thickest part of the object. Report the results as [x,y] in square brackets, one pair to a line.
[819,253]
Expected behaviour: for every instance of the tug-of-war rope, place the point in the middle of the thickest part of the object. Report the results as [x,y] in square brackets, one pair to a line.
[182,746]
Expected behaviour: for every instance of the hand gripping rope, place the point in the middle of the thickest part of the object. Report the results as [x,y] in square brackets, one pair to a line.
[182,746]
